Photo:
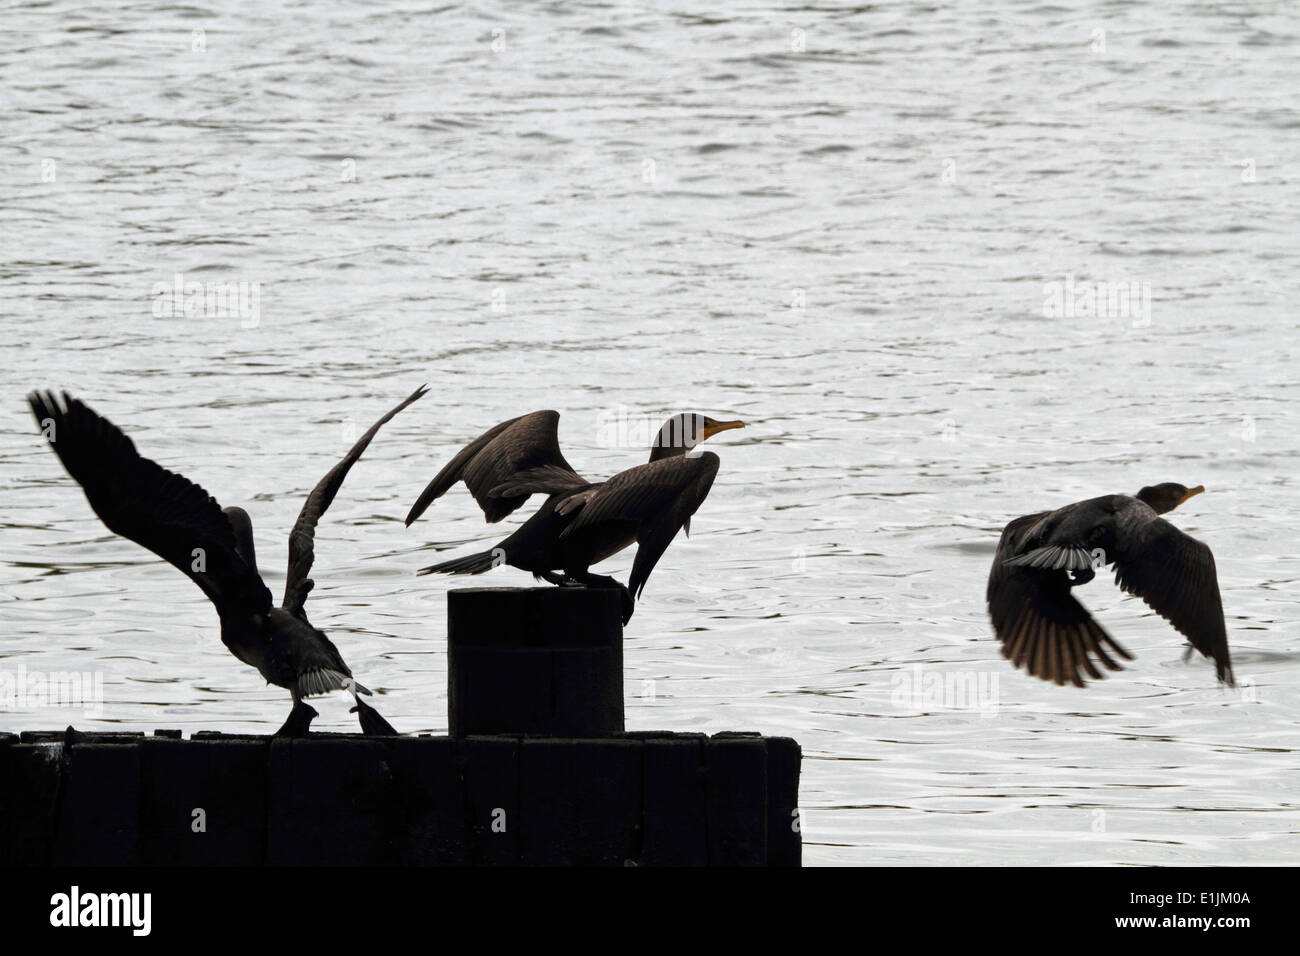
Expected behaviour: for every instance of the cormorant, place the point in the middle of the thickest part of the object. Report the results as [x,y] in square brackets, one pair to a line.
[1042,556]
[581,523]
[182,524]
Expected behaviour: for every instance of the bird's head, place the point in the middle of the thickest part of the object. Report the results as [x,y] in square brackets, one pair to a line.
[683,432]
[1167,496]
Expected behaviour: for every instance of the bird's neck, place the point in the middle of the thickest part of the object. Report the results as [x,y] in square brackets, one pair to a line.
[659,452]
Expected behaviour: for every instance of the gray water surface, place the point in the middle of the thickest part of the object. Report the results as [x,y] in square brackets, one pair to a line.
[839,224]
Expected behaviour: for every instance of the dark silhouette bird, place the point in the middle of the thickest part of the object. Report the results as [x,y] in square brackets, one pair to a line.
[581,523]
[183,524]
[1040,557]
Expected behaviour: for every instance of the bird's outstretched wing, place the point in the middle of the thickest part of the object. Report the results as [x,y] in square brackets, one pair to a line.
[1040,624]
[140,500]
[504,465]
[302,538]
[1175,575]
[657,498]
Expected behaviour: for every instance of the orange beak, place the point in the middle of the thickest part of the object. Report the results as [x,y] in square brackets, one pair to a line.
[712,427]
[1199,489]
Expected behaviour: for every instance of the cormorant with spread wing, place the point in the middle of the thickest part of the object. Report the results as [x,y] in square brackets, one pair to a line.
[581,523]
[1040,557]
[182,524]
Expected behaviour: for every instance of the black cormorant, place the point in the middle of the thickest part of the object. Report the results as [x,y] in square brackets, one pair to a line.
[182,524]
[581,523]
[1042,556]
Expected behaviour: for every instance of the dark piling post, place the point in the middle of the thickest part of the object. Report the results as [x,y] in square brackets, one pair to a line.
[546,661]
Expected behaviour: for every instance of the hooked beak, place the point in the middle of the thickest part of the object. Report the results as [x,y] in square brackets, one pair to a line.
[711,427]
[1199,489]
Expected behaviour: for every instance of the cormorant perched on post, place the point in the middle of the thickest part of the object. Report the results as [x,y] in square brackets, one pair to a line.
[581,523]
[182,524]
[1042,556]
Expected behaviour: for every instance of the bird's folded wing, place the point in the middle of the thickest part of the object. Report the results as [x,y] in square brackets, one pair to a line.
[1175,575]
[498,457]
[303,536]
[1040,624]
[139,499]
[659,498]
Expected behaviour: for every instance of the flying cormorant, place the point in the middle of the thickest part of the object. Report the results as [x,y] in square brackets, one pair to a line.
[1042,556]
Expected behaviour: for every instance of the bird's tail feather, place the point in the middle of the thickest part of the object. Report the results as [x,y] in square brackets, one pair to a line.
[470,564]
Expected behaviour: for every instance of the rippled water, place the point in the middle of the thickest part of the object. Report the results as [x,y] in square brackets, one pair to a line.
[837,224]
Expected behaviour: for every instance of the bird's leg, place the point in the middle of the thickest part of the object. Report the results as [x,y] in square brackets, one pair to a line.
[589,580]
[372,724]
[1187,652]
[298,723]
